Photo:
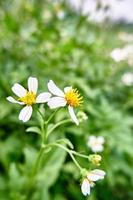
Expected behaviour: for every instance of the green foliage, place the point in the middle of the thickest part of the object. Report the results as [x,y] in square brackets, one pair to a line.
[34,41]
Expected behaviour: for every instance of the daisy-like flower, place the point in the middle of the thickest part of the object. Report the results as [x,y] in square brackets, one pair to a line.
[28,98]
[96,143]
[89,180]
[69,97]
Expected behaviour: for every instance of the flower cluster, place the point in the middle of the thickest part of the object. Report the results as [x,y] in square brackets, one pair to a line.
[56,98]
[70,97]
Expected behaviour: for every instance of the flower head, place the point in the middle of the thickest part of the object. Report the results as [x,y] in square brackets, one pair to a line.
[96,143]
[28,97]
[90,179]
[95,159]
[69,97]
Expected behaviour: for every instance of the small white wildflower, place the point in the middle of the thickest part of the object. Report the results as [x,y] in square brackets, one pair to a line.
[28,97]
[68,97]
[96,143]
[127,79]
[118,55]
[88,181]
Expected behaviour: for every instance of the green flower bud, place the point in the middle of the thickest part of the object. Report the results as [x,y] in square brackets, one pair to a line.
[95,159]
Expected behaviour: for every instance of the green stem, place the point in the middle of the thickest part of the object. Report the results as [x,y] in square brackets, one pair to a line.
[70,153]
[79,154]
[49,119]
[37,162]
[40,113]
[56,125]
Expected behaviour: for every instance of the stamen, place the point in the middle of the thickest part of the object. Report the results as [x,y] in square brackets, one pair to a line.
[28,99]
[73,98]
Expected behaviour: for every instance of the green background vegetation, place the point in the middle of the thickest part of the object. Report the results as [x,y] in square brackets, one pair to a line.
[70,51]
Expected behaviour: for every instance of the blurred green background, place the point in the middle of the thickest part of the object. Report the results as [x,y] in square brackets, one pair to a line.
[49,40]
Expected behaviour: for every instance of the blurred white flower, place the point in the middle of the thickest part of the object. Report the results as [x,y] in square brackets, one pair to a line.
[127,79]
[28,97]
[120,54]
[96,143]
[69,97]
[92,177]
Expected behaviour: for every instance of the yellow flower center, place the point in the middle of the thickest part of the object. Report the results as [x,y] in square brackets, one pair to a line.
[73,98]
[28,99]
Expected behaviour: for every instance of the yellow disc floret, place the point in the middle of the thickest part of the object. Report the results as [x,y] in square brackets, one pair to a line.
[73,98]
[29,98]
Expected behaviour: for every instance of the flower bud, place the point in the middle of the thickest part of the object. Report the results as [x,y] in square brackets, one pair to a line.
[95,159]
[82,116]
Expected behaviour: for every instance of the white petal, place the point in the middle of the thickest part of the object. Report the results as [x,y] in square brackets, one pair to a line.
[56,102]
[97,148]
[72,114]
[100,139]
[12,100]
[54,89]
[32,84]
[19,90]
[43,97]
[25,113]
[96,174]
[66,89]
[92,139]
[85,187]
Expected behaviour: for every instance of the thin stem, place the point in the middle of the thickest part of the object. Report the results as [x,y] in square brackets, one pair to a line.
[79,154]
[43,126]
[37,162]
[70,153]
[49,119]
[40,113]
[58,124]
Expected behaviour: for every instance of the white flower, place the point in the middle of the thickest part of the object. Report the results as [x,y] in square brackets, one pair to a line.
[118,55]
[125,53]
[96,143]
[28,97]
[85,187]
[127,79]
[92,177]
[68,97]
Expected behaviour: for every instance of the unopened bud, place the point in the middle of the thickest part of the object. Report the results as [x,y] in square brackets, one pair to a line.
[82,116]
[95,159]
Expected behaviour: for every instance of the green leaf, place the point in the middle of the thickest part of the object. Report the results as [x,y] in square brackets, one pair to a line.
[67,142]
[52,163]
[34,129]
